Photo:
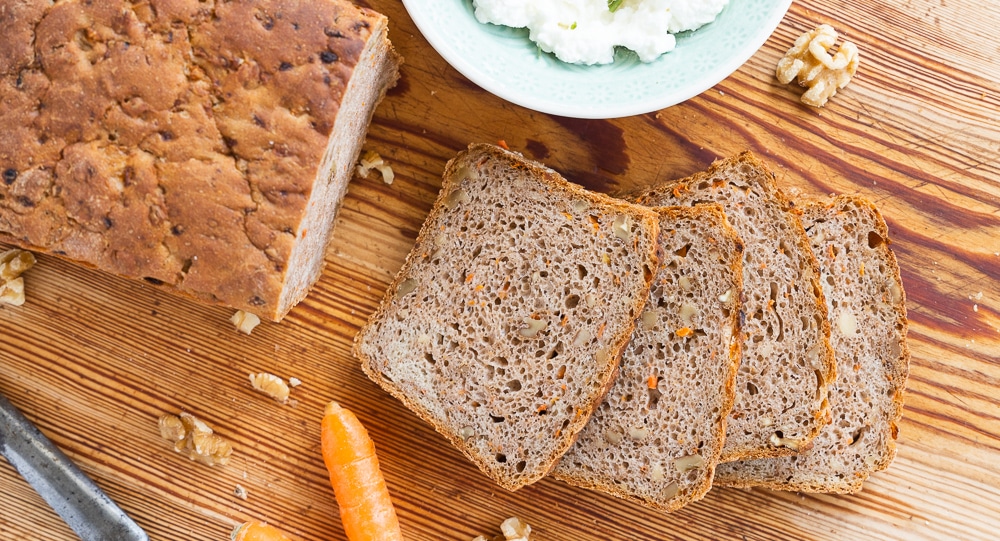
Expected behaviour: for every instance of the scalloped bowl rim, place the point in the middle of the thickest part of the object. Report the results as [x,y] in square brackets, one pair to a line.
[566,74]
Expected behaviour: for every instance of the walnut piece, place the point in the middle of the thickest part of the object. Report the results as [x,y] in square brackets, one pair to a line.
[270,385]
[244,321]
[192,436]
[13,263]
[810,61]
[371,160]
[514,529]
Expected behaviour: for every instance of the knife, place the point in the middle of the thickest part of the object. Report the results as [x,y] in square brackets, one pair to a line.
[73,495]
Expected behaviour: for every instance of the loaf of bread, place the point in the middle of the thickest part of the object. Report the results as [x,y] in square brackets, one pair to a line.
[867,310]
[204,147]
[506,323]
[658,435]
[787,363]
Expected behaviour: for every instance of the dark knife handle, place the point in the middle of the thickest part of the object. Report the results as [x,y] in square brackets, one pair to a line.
[73,495]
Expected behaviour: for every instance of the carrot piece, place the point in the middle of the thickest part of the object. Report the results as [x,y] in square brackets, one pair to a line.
[257,531]
[349,454]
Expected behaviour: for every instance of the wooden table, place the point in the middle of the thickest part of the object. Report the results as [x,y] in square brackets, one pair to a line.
[94,360]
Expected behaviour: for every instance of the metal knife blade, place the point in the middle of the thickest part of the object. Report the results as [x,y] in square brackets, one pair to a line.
[73,495]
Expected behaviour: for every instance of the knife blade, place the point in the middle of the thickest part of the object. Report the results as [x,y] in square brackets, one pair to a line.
[73,495]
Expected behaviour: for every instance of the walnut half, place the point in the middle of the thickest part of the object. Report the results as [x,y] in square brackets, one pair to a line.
[809,60]
[191,436]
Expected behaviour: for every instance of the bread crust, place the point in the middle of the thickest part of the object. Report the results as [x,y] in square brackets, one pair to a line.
[811,471]
[553,182]
[758,174]
[180,143]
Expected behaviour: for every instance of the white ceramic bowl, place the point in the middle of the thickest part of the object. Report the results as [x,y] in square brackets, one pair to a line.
[505,62]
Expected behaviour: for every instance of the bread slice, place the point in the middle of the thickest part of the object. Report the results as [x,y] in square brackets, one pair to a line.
[202,147]
[867,310]
[505,326]
[787,363]
[658,434]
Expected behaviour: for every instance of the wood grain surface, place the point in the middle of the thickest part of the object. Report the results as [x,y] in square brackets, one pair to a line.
[93,359]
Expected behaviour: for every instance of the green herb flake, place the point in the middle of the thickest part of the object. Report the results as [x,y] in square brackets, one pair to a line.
[613,5]
[573,26]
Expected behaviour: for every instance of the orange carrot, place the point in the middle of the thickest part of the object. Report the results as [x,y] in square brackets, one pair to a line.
[349,453]
[257,531]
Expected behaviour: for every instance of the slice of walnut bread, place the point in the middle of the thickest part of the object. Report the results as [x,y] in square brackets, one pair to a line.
[658,434]
[787,363]
[505,326]
[867,310]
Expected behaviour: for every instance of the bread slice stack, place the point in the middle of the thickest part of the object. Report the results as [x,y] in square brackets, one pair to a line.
[787,363]
[505,327]
[867,309]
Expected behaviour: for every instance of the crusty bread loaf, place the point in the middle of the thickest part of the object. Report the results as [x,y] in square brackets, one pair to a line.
[204,147]
[505,325]
[787,363]
[658,434]
[867,310]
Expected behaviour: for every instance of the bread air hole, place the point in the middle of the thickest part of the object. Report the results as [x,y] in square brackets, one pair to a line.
[875,240]
[857,435]
[501,458]
[654,396]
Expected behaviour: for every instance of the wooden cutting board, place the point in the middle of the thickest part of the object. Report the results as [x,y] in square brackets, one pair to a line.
[94,359]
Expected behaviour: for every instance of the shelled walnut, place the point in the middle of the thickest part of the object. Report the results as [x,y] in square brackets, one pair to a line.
[514,529]
[809,60]
[245,322]
[270,385]
[192,436]
[13,263]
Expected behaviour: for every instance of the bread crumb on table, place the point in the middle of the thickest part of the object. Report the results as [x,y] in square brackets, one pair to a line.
[240,492]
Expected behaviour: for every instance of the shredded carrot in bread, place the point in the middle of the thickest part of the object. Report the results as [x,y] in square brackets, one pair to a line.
[684,331]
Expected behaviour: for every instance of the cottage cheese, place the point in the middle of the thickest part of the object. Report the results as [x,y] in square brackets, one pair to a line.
[587,32]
